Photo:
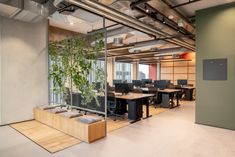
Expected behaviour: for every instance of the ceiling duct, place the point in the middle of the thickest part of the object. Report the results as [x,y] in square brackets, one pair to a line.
[26,10]
[147,46]
[118,41]
[122,18]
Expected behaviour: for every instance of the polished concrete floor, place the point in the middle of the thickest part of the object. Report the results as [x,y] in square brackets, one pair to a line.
[171,133]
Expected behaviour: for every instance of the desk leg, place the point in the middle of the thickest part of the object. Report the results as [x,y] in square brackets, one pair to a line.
[171,95]
[135,110]
[177,98]
[147,111]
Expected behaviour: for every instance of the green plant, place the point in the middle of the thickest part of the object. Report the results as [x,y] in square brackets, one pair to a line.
[71,60]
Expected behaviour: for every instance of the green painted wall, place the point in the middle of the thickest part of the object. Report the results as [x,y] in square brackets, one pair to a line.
[215,38]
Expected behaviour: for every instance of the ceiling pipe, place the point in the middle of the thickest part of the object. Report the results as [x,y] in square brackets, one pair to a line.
[161,51]
[164,19]
[183,4]
[162,61]
[119,17]
[180,14]
[150,57]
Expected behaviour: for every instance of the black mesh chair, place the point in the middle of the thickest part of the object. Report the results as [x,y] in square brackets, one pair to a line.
[153,100]
[112,106]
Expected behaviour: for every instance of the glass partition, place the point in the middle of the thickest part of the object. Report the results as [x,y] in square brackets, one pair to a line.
[77,67]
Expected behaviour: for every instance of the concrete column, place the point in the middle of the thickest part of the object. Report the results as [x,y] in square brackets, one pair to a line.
[135,71]
[110,70]
[158,71]
[24,68]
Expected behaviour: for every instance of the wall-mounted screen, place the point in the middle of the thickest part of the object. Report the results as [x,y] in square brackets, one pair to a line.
[215,69]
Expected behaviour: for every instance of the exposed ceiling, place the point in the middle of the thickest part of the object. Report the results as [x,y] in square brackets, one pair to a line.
[127,43]
[189,9]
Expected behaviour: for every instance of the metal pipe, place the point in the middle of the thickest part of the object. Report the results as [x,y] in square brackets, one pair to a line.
[155,62]
[186,3]
[105,72]
[133,4]
[127,20]
[148,57]
[180,14]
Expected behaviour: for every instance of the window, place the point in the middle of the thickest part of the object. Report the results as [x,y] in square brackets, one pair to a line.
[100,64]
[143,71]
[123,71]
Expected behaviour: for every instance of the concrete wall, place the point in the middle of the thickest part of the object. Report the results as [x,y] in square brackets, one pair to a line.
[24,69]
[215,38]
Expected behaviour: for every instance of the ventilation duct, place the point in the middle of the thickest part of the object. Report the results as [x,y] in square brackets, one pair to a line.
[26,10]
[119,17]
[147,46]
[118,42]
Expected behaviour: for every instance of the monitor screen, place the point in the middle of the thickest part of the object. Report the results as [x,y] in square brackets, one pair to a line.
[97,85]
[116,81]
[161,84]
[122,88]
[131,86]
[182,82]
[137,83]
[146,81]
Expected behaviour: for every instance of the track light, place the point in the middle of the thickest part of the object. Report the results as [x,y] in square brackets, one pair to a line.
[164,21]
[146,9]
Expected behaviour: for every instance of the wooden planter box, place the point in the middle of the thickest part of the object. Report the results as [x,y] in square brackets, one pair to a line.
[70,126]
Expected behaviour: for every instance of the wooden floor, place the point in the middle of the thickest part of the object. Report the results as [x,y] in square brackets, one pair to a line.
[53,140]
[122,122]
[50,139]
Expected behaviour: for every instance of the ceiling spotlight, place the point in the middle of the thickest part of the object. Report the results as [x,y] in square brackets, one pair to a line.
[146,9]
[180,23]
[171,17]
[164,21]
[71,23]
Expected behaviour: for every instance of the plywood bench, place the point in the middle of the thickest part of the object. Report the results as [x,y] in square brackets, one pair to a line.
[70,126]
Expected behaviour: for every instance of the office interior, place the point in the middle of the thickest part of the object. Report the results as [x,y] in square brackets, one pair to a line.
[75,74]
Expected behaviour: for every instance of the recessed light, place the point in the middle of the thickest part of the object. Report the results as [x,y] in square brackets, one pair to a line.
[71,23]
[171,17]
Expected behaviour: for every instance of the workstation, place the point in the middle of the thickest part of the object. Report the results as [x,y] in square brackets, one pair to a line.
[107,72]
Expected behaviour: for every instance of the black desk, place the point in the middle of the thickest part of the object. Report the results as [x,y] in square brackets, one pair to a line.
[135,105]
[188,90]
[168,97]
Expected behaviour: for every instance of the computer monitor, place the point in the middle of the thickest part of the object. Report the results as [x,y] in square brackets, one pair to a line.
[161,84]
[97,85]
[137,83]
[116,81]
[146,81]
[122,88]
[131,87]
[182,82]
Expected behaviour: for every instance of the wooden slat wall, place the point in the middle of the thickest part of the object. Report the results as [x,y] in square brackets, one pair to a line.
[178,70]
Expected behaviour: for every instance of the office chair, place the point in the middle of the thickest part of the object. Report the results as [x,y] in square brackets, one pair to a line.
[155,99]
[112,105]
[67,96]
